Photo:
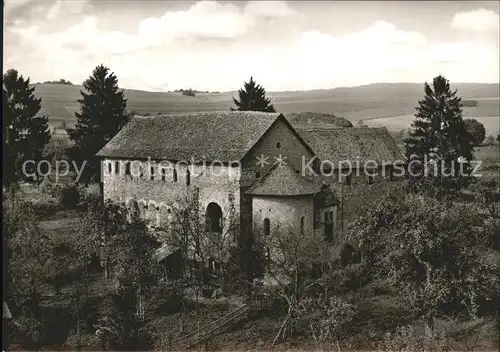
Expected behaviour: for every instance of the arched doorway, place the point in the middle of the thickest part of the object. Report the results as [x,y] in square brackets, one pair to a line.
[213,218]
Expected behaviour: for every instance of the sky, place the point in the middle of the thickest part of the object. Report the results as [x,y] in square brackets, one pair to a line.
[216,46]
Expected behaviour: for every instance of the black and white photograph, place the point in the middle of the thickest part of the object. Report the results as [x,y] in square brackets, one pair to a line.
[251,175]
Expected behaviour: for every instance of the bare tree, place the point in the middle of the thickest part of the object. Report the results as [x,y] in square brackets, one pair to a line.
[185,230]
[292,260]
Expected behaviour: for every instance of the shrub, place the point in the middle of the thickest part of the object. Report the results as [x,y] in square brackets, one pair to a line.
[326,321]
[189,92]
[405,338]
[89,194]
[69,196]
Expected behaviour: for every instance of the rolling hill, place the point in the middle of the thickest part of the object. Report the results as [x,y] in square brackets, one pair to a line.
[381,104]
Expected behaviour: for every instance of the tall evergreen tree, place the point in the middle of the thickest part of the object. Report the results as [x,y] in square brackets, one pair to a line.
[438,139]
[25,132]
[253,97]
[102,114]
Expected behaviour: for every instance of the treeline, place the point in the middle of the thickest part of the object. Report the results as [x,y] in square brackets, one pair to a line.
[61,81]
[193,92]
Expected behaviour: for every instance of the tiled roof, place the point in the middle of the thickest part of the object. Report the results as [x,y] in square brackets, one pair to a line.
[223,136]
[285,181]
[364,143]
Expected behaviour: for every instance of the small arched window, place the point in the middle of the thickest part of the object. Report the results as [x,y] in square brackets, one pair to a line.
[278,145]
[163,174]
[257,174]
[302,224]
[267,227]
[117,167]
[127,168]
[109,167]
[142,209]
[188,178]
[152,173]
[348,180]
[370,179]
[175,175]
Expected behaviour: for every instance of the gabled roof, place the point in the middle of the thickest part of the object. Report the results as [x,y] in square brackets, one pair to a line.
[285,181]
[223,136]
[350,143]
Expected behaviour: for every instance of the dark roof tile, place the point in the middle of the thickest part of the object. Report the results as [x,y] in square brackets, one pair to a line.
[342,144]
[285,181]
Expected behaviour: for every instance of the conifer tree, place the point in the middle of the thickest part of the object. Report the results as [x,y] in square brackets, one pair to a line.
[253,98]
[438,139]
[102,114]
[26,132]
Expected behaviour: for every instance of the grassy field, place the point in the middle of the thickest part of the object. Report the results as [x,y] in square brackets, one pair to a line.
[389,105]
[491,123]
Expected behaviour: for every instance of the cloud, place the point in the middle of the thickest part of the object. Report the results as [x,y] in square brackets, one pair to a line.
[269,9]
[477,20]
[64,8]
[216,46]
[205,19]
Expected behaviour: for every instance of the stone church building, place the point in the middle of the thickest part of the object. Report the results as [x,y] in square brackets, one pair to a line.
[252,171]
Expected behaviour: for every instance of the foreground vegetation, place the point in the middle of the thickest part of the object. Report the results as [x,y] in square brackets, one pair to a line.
[380,298]
[416,272]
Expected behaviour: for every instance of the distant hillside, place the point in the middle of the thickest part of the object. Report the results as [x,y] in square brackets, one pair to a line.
[59,101]
[61,81]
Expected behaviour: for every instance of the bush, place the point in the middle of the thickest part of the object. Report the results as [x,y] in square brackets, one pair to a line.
[325,320]
[406,339]
[189,92]
[69,196]
[89,194]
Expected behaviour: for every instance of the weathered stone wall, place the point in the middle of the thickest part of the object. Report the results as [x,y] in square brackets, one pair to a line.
[284,213]
[356,197]
[218,184]
[359,195]
[289,146]
[291,150]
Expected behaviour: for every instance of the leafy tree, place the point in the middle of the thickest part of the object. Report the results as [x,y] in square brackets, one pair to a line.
[253,98]
[120,327]
[30,263]
[476,130]
[438,139]
[291,260]
[121,241]
[437,255]
[102,114]
[361,123]
[126,247]
[245,265]
[25,132]
[188,92]
[56,149]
